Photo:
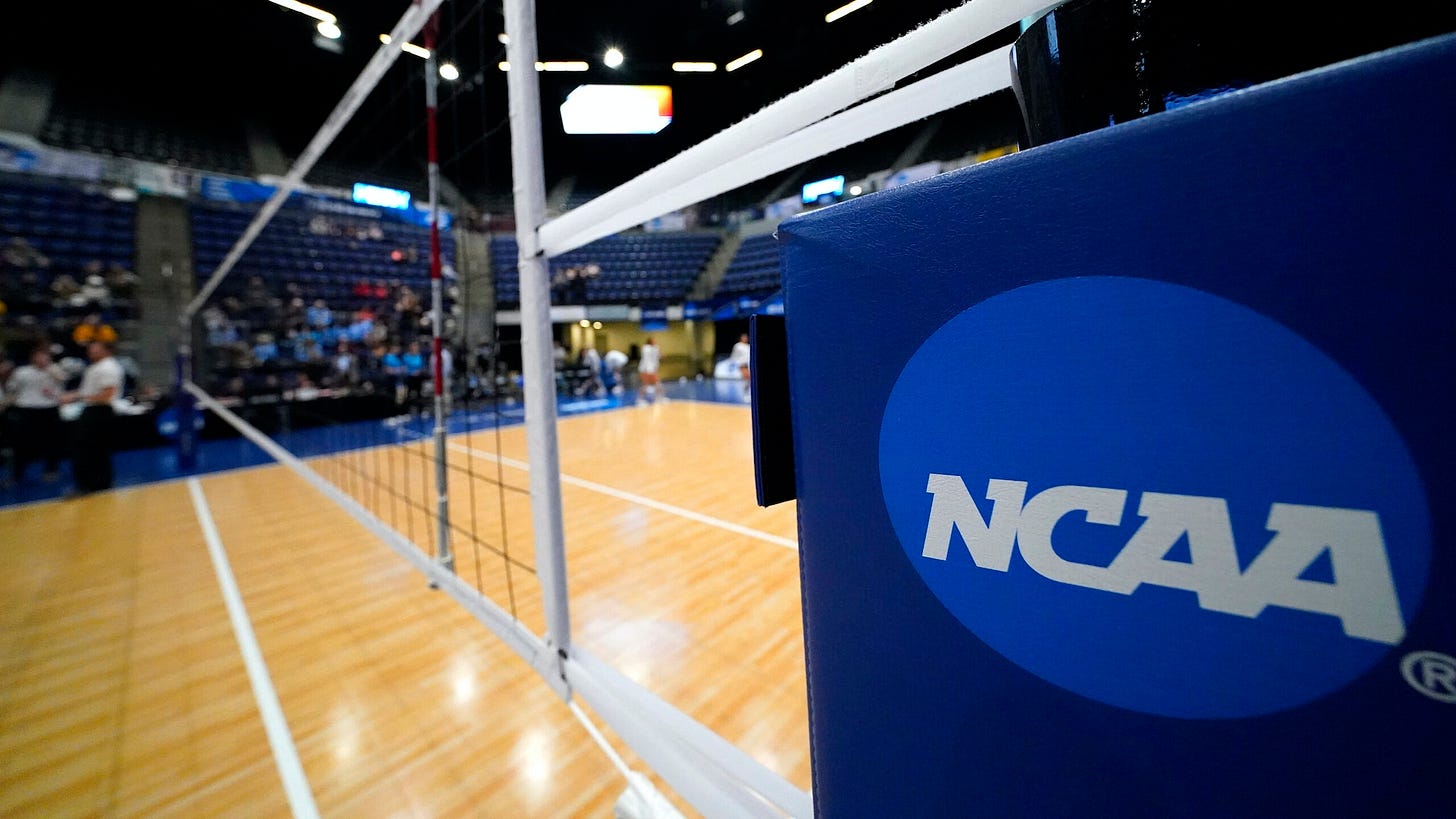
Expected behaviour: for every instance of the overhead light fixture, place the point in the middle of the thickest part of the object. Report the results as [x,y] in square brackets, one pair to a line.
[304,8]
[408,48]
[596,325]
[855,190]
[556,65]
[329,30]
[694,68]
[735,18]
[613,58]
[503,38]
[846,10]
[449,72]
[744,60]
[584,323]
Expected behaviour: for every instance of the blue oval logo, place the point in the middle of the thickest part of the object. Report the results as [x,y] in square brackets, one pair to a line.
[1155,498]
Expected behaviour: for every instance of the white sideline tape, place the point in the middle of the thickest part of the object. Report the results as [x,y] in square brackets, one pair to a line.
[641,500]
[285,755]
[704,768]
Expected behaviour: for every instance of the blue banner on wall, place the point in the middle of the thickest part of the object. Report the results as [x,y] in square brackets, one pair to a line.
[654,317]
[225,189]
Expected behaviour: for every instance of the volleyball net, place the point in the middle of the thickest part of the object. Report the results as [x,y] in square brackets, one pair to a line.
[391,389]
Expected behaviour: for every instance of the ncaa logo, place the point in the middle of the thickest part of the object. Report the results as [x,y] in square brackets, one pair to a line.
[1155,498]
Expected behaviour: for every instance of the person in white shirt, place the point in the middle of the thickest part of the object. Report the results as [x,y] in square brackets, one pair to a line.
[100,385]
[742,354]
[613,363]
[647,368]
[34,392]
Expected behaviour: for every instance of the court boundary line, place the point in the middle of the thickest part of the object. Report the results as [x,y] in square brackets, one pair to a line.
[641,500]
[275,725]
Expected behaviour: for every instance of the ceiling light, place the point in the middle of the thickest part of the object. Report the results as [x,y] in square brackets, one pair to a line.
[584,323]
[693,68]
[855,190]
[329,30]
[557,65]
[408,48]
[596,325]
[449,72]
[503,39]
[735,18]
[304,8]
[613,58]
[744,60]
[846,10]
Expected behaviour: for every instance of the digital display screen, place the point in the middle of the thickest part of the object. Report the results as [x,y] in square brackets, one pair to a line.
[617,109]
[381,197]
[833,186]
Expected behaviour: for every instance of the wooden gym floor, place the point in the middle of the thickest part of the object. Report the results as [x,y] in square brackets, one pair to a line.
[123,691]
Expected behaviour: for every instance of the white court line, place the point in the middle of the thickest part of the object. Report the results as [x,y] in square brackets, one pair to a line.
[300,797]
[641,500]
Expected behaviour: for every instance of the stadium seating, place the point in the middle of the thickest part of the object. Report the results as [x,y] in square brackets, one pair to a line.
[324,266]
[754,269]
[224,150]
[635,267]
[67,224]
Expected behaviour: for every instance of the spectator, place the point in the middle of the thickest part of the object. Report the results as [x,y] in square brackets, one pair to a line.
[100,385]
[94,293]
[264,348]
[295,317]
[361,327]
[319,316]
[414,373]
[92,328]
[34,394]
[123,282]
[345,371]
[63,290]
[19,254]
[392,365]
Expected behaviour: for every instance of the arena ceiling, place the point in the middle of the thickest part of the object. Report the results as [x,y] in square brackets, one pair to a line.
[181,64]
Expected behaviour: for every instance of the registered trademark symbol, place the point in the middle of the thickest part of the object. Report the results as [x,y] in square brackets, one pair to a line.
[1431,673]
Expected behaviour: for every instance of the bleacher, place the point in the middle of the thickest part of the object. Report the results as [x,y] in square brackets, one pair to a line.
[69,226]
[324,266]
[635,268]
[222,148]
[754,269]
